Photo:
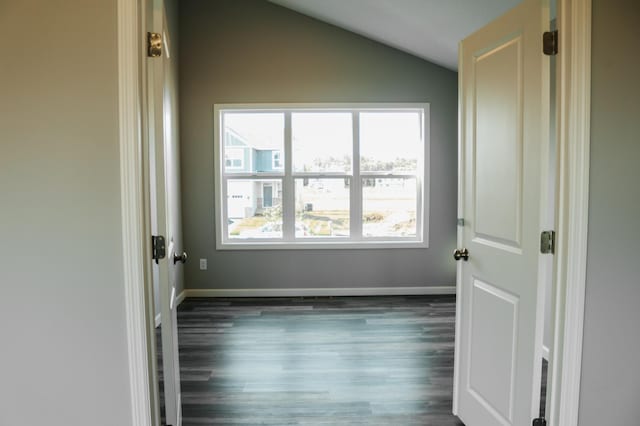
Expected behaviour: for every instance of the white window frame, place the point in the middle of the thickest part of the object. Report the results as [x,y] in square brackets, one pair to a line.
[287,177]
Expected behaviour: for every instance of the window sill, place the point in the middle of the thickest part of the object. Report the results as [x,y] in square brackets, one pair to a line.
[322,245]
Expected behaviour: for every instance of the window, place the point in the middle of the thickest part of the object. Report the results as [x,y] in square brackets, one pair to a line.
[321,176]
[276,160]
[234,158]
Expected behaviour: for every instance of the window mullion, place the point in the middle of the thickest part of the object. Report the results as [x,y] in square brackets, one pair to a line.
[355,215]
[288,201]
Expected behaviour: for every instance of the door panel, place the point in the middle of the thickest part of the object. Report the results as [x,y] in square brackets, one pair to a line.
[494,317]
[504,133]
[498,144]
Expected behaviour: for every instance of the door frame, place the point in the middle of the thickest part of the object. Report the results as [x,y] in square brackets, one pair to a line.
[573,109]
[135,212]
[573,75]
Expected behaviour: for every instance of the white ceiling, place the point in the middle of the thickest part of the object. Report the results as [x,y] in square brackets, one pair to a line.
[429,29]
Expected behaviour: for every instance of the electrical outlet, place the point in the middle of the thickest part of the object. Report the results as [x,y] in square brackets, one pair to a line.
[203,264]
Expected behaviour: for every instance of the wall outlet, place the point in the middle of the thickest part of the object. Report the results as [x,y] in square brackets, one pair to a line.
[203,264]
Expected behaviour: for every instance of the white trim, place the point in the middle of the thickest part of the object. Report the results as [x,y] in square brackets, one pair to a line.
[545,353]
[337,107]
[322,244]
[181,297]
[179,300]
[132,208]
[288,201]
[319,292]
[574,106]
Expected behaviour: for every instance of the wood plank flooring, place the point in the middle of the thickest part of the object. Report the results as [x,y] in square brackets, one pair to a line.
[317,361]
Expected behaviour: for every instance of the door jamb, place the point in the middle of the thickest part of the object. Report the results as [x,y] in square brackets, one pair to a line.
[574,90]
[573,135]
[133,212]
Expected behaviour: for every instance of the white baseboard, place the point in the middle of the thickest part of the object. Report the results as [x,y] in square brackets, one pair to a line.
[545,352]
[179,300]
[181,297]
[311,292]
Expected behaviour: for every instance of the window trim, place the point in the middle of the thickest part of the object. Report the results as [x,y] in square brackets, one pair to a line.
[354,241]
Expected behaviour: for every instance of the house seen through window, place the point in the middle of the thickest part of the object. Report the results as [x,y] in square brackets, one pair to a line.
[321,175]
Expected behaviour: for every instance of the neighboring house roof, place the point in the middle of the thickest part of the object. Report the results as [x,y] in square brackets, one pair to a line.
[261,141]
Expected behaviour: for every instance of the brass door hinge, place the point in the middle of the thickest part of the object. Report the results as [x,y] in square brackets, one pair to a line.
[550,43]
[154,45]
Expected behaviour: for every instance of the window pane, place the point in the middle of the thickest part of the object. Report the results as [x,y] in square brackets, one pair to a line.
[322,141]
[322,207]
[390,141]
[251,140]
[254,208]
[389,207]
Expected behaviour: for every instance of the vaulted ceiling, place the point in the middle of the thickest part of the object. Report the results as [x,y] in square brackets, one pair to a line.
[430,29]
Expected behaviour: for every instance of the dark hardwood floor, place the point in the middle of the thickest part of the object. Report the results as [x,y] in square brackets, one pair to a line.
[317,361]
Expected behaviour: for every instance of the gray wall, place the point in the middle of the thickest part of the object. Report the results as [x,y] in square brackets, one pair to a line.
[62,317]
[253,51]
[610,392]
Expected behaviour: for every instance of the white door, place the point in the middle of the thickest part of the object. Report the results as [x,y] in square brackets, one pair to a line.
[164,205]
[503,169]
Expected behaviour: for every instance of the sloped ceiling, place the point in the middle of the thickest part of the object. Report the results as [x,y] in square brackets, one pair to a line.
[429,29]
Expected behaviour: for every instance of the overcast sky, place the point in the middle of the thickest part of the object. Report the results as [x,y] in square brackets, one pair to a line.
[383,135]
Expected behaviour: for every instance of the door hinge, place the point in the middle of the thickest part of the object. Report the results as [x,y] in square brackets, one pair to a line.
[550,43]
[154,45]
[158,248]
[540,421]
[548,242]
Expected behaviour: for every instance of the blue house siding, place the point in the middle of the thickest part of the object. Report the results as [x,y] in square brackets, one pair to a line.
[247,160]
[253,160]
[233,139]
[264,161]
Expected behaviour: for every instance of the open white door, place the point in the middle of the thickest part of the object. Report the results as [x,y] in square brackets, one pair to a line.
[504,103]
[163,207]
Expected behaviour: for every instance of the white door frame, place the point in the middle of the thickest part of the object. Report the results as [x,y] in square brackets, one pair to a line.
[134,212]
[574,90]
[573,135]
